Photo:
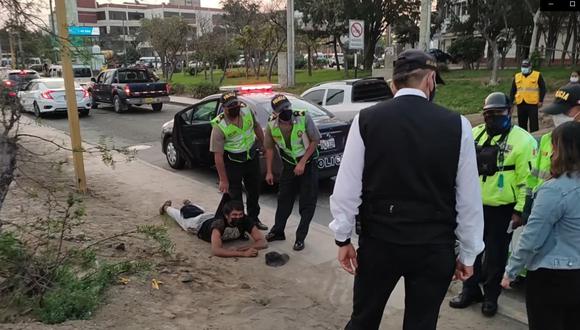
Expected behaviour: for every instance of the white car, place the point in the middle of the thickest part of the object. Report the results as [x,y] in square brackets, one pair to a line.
[46,95]
[345,99]
[82,73]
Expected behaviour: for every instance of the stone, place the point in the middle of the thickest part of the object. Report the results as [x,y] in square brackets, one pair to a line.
[120,247]
[187,278]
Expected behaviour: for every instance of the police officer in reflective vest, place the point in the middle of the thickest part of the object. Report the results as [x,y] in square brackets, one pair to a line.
[528,91]
[566,107]
[297,138]
[504,156]
[409,173]
[235,138]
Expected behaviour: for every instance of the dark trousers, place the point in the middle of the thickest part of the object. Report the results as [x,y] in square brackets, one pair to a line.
[490,265]
[528,112]
[553,299]
[306,187]
[248,172]
[427,270]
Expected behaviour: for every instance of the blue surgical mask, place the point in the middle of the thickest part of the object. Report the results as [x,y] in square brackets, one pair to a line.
[526,70]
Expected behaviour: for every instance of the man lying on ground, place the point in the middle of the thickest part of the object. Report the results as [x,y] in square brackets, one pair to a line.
[229,223]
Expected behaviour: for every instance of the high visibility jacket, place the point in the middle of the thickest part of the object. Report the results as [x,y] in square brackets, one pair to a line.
[508,186]
[541,164]
[528,88]
[298,138]
[237,140]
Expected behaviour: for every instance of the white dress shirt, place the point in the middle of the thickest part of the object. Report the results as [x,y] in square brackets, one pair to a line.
[346,197]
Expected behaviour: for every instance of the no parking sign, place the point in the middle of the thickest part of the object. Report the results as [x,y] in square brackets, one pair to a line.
[356,34]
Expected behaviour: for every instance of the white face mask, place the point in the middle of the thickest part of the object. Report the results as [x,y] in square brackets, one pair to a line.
[573,79]
[561,119]
[526,70]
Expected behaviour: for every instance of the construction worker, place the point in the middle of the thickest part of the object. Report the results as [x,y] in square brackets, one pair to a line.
[566,107]
[504,156]
[409,167]
[234,140]
[528,92]
[297,138]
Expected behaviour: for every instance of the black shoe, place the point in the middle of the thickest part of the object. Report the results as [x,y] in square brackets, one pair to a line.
[271,237]
[489,308]
[464,300]
[298,246]
[260,225]
[244,237]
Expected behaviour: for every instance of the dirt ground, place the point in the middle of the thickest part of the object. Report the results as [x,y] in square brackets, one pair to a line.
[198,291]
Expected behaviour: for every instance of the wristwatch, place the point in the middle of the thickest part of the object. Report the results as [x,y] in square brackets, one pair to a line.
[341,244]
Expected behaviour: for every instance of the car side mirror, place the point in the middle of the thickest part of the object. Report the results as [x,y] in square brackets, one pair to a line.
[93,80]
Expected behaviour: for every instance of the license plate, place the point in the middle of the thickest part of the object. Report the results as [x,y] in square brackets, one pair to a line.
[329,161]
[149,100]
[327,144]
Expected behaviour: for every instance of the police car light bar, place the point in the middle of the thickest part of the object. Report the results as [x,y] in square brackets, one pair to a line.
[250,89]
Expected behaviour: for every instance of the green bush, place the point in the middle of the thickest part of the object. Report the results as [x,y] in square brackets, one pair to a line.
[178,89]
[204,89]
[467,50]
[300,62]
[536,60]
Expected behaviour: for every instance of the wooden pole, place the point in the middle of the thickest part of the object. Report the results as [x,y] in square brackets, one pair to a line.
[71,99]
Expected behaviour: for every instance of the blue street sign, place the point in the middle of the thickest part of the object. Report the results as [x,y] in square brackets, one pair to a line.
[86,31]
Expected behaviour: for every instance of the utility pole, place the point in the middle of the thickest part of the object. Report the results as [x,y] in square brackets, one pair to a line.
[290,41]
[71,99]
[12,49]
[425,25]
[124,42]
[21,53]
[53,30]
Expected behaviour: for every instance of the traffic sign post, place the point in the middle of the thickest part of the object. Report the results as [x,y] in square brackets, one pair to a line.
[356,40]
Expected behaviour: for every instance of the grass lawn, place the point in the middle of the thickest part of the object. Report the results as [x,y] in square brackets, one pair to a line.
[464,92]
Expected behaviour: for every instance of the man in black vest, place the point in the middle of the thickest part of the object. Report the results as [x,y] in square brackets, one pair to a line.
[409,173]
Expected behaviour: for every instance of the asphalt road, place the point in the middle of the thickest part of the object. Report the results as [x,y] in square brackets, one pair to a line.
[140,128]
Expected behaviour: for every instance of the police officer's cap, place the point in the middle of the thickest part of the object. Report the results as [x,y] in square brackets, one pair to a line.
[280,103]
[526,64]
[414,59]
[229,100]
[566,98]
[497,101]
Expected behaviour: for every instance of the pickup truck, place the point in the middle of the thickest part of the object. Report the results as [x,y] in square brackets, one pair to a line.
[128,86]
[345,99]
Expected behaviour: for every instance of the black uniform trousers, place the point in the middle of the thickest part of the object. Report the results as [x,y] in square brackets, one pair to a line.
[427,270]
[250,174]
[306,187]
[553,299]
[528,112]
[490,265]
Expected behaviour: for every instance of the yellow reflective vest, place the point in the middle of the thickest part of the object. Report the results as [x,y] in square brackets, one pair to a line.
[542,164]
[508,186]
[528,88]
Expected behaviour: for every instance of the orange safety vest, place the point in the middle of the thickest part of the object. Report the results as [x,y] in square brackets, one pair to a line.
[528,88]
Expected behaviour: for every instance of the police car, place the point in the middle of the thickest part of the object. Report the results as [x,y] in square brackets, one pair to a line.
[185,139]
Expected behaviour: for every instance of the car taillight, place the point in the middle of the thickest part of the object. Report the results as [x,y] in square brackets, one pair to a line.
[127,90]
[47,95]
[11,94]
[167,88]
[8,83]
[85,94]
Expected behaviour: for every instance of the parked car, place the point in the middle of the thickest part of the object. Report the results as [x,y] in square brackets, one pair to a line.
[128,86]
[82,73]
[13,81]
[332,62]
[47,95]
[188,142]
[347,98]
[441,56]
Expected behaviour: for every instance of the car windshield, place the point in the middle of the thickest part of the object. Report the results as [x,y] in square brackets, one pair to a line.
[21,78]
[82,72]
[298,104]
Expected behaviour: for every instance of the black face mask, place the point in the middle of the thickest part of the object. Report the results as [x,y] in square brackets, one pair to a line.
[432,92]
[285,115]
[234,112]
[496,125]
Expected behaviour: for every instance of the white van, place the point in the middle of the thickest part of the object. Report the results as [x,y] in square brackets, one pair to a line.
[150,61]
[82,73]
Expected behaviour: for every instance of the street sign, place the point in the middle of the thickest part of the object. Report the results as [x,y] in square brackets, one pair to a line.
[356,34]
[85,31]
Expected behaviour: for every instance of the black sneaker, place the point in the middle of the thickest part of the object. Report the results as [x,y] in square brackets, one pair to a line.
[260,225]
[298,246]
[489,308]
[271,237]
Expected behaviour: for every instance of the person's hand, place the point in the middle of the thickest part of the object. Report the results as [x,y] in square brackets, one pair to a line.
[270,178]
[299,168]
[250,253]
[506,282]
[347,258]
[462,272]
[516,221]
[224,186]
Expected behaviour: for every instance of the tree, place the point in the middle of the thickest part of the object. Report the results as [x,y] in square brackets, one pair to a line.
[166,35]
[467,50]
[406,31]
[378,15]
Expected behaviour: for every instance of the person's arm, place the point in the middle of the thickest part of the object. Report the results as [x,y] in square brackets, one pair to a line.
[523,172]
[513,91]
[543,90]
[346,196]
[216,145]
[269,146]
[260,242]
[547,210]
[218,250]
[469,207]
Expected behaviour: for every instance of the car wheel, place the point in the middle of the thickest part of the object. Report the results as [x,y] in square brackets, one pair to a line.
[118,105]
[37,112]
[174,158]
[84,113]
[157,106]
[94,104]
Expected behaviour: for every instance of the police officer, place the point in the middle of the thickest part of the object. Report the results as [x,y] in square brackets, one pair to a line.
[504,156]
[234,141]
[409,166]
[528,91]
[297,138]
